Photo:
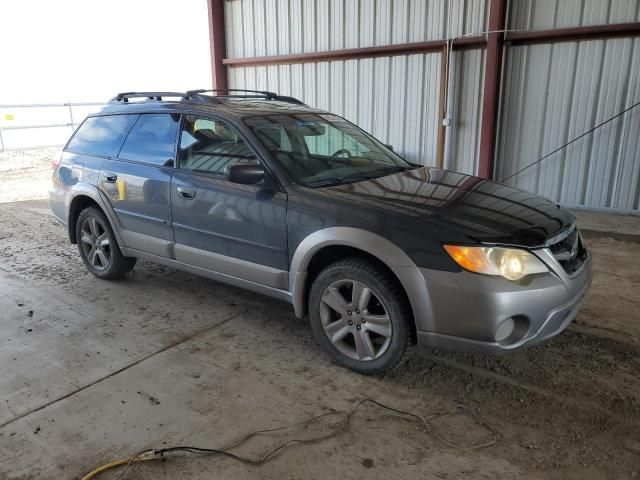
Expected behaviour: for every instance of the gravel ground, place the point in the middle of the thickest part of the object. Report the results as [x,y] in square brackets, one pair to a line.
[204,363]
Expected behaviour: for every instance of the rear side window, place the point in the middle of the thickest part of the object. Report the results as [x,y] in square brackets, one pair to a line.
[152,139]
[101,135]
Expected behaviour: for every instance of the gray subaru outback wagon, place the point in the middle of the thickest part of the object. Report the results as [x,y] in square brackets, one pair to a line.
[263,192]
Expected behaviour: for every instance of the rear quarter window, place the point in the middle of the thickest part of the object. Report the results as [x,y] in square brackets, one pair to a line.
[101,136]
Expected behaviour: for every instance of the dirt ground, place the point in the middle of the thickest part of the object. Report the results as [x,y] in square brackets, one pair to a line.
[25,175]
[91,371]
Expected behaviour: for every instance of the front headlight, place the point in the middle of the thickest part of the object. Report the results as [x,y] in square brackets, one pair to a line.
[510,263]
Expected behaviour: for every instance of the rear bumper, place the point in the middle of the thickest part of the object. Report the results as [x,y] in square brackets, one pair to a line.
[59,205]
[464,311]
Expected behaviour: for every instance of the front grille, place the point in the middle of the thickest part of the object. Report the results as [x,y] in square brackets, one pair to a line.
[570,252]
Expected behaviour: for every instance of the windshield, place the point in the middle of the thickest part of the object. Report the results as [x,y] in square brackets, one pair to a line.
[324,149]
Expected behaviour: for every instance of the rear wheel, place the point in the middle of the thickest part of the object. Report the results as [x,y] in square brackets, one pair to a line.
[359,315]
[98,247]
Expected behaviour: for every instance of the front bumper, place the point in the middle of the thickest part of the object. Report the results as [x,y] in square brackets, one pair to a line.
[463,311]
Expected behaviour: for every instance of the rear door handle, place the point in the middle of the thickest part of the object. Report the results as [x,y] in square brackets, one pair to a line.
[110,177]
[187,193]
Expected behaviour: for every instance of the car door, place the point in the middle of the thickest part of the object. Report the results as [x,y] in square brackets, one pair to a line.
[137,183]
[238,230]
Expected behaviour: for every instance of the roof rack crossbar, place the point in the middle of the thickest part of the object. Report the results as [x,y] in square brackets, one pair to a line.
[154,96]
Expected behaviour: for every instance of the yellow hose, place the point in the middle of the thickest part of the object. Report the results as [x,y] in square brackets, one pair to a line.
[139,458]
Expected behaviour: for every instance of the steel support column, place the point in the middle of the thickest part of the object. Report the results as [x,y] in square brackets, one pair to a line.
[217,42]
[491,96]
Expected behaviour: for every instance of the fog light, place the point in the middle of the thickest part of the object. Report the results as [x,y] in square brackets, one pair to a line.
[505,330]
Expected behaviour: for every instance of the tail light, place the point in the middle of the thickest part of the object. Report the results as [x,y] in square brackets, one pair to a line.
[55,162]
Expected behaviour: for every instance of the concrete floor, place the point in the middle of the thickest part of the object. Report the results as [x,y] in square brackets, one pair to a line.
[94,370]
[91,371]
[618,226]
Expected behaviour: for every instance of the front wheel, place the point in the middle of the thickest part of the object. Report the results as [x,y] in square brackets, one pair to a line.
[98,247]
[359,315]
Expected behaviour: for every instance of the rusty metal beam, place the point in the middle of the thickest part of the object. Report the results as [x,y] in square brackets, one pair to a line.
[516,38]
[350,53]
[217,42]
[491,95]
[592,32]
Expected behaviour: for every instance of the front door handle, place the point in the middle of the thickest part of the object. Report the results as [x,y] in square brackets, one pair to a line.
[111,177]
[187,193]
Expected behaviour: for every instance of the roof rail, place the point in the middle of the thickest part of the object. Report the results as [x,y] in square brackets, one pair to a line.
[194,94]
[198,95]
[285,98]
[263,93]
[150,96]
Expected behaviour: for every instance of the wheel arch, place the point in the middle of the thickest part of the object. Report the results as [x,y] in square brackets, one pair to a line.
[87,197]
[328,245]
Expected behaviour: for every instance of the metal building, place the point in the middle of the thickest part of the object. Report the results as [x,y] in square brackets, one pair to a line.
[430,78]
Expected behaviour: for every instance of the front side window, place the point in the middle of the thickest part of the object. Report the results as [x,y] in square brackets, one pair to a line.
[152,139]
[101,136]
[208,145]
[319,149]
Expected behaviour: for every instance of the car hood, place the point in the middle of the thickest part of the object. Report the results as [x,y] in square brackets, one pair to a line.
[462,206]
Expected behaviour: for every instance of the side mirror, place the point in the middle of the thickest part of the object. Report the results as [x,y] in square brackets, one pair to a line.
[390,147]
[245,173]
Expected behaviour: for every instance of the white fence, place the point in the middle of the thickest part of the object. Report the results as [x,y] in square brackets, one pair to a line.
[38,125]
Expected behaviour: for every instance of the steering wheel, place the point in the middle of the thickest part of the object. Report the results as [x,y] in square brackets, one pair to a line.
[341,151]
[293,163]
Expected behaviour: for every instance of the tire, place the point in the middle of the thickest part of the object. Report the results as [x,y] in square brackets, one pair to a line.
[98,246]
[382,315]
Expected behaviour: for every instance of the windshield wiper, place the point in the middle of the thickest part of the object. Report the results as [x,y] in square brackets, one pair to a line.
[358,178]
[337,181]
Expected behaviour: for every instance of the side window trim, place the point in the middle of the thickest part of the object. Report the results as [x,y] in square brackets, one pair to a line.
[176,143]
[115,157]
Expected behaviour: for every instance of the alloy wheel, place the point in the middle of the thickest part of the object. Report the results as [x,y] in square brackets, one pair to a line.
[95,243]
[355,320]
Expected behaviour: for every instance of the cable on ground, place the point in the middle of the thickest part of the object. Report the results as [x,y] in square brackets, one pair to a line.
[340,428]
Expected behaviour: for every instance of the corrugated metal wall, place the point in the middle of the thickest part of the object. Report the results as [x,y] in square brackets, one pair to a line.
[278,27]
[547,14]
[551,93]
[372,93]
[554,93]
[394,98]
